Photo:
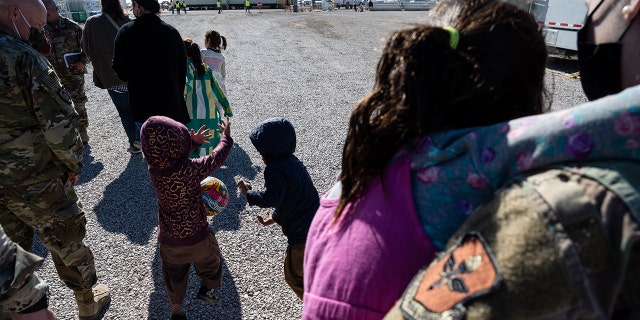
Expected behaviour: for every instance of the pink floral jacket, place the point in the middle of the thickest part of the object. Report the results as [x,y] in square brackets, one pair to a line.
[454,172]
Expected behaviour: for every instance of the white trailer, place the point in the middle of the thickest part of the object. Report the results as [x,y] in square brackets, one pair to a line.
[561,20]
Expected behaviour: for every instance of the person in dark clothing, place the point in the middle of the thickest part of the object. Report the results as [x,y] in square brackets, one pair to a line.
[288,188]
[149,54]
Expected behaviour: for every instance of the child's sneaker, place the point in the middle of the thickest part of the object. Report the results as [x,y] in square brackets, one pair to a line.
[208,296]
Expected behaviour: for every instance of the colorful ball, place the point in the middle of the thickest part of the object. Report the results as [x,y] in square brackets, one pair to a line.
[214,195]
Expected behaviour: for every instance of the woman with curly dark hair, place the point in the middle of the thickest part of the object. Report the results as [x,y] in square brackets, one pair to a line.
[477,63]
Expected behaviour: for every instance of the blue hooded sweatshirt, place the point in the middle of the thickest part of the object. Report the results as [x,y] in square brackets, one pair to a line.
[288,186]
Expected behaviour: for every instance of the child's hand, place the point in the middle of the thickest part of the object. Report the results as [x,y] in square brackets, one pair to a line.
[201,136]
[225,127]
[244,187]
[269,221]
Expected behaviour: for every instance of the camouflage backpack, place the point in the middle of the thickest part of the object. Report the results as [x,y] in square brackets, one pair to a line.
[557,244]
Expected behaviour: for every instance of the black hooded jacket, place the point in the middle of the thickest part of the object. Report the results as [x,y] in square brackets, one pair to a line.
[288,186]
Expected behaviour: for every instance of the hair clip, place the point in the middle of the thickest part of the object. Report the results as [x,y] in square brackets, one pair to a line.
[454,36]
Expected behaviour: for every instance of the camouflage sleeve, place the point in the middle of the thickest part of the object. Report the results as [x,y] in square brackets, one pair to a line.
[20,288]
[83,57]
[54,110]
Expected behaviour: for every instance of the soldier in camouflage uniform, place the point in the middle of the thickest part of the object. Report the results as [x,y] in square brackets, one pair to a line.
[22,292]
[41,155]
[65,37]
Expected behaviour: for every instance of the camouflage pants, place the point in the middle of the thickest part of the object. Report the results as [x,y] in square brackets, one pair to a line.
[75,86]
[50,208]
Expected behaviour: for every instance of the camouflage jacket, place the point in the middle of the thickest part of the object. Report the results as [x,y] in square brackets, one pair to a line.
[20,289]
[66,37]
[38,136]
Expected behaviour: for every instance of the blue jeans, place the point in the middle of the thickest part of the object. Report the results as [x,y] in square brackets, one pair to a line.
[121,101]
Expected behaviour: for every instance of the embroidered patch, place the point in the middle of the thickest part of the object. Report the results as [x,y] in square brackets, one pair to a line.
[468,270]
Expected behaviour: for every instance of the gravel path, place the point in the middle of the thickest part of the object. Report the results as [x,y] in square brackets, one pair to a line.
[308,67]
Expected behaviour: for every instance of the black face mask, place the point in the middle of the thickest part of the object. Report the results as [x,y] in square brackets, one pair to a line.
[39,41]
[36,38]
[600,64]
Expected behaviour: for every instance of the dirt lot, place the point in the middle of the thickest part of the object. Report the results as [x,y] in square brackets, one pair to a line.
[308,67]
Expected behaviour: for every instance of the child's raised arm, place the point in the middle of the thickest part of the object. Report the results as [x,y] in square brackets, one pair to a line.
[201,136]
[225,127]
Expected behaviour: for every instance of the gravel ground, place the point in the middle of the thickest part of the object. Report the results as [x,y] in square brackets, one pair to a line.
[309,67]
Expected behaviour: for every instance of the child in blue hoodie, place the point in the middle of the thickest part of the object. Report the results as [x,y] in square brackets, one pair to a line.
[287,188]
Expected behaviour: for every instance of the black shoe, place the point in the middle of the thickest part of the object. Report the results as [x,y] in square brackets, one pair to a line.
[208,296]
[178,317]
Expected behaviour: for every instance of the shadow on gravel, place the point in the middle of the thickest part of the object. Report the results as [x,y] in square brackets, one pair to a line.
[160,307]
[563,64]
[237,164]
[90,169]
[128,205]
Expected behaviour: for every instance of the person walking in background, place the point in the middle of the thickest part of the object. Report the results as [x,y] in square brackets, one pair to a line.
[213,57]
[172,7]
[68,60]
[219,6]
[97,43]
[247,6]
[203,95]
[149,55]
[22,293]
[183,230]
[41,156]
[288,189]
[184,6]
[177,6]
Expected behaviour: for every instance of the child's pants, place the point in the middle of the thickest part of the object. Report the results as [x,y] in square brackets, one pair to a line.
[176,261]
[293,259]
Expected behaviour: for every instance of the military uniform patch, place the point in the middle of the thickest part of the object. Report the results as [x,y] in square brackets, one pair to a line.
[466,271]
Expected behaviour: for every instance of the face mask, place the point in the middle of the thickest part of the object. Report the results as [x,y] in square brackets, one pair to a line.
[39,41]
[36,38]
[599,64]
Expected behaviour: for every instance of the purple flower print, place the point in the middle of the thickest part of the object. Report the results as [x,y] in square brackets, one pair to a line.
[425,145]
[579,144]
[464,207]
[476,181]
[488,155]
[429,175]
[504,129]
[569,122]
[631,144]
[525,160]
[627,124]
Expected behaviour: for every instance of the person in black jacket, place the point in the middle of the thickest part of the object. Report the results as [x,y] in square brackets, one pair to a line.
[149,54]
[288,189]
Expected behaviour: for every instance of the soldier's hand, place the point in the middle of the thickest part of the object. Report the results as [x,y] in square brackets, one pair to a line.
[78,66]
[44,314]
[73,178]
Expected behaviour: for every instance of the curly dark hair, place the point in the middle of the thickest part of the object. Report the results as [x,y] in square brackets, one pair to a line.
[424,86]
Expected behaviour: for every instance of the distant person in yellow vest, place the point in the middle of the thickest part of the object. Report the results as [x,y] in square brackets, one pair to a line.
[247,6]
[176,5]
[219,6]
[171,7]
[184,6]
